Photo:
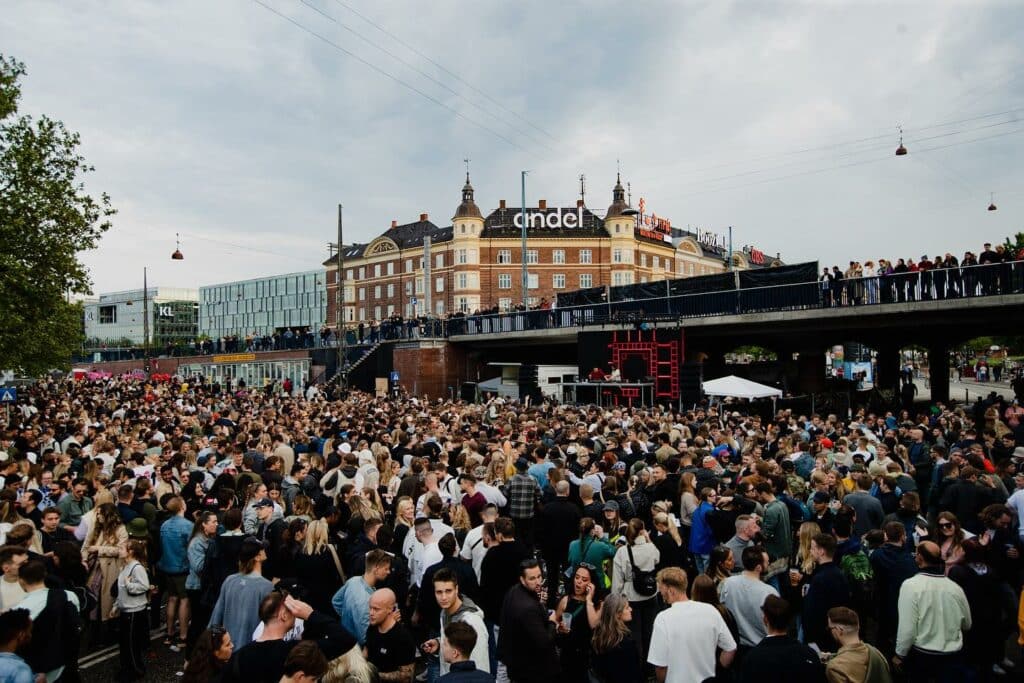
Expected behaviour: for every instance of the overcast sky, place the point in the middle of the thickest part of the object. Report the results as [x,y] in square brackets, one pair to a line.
[227,123]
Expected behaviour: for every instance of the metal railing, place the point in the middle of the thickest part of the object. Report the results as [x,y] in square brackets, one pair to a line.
[935,285]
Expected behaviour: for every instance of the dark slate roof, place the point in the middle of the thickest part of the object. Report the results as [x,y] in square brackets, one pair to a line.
[719,251]
[499,223]
[405,236]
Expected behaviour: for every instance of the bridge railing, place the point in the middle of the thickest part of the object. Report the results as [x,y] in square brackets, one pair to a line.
[945,283]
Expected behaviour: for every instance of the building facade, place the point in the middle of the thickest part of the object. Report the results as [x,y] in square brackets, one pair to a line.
[475,264]
[263,306]
[117,318]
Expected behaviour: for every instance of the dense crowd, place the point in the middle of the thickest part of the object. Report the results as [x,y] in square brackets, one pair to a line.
[298,536]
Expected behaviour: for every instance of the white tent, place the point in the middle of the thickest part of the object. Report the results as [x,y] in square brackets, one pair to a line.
[737,387]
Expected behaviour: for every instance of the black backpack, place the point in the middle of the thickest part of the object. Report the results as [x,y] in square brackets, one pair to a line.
[644,583]
[57,634]
[212,576]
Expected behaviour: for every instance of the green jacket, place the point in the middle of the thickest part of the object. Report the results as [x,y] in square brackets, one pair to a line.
[778,539]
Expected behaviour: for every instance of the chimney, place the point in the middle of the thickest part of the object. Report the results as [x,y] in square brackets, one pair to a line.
[542,204]
[501,204]
[394,224]
[423,218]
[579,203]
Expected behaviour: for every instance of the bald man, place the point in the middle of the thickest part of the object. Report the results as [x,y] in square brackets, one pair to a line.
[934,615]
[389,645]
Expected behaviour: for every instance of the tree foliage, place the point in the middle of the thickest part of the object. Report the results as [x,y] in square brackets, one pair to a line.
[46,220]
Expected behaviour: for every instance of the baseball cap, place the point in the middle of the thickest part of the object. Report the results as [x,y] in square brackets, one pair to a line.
[820,497]
[611,505]
[827,442]
[263,503]
[251,548]
[621,466]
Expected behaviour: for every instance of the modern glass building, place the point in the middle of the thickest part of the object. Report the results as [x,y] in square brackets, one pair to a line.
[117,318]
[296,301]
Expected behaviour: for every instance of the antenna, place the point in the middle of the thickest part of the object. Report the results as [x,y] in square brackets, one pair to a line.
[466,161]
[583,188]
[629,194]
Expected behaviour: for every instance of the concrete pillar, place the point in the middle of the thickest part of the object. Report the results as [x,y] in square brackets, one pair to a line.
[938,368]
[811,371]
[888,367]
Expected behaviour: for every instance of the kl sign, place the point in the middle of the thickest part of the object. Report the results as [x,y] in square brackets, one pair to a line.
[165,312]
[550,219]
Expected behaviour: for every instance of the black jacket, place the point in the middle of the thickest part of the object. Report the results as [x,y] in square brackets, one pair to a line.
[498,572]
[780,659]
[526,640]
[558,526]
[892,566]
[426,604]
[966,499]
[827,589]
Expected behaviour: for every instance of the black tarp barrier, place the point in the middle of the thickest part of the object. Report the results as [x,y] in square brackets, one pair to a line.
[782,275]
[581,297]
[643,290]
[701,284]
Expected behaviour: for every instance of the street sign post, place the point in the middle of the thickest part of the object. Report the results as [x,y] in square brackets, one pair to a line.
[8,395]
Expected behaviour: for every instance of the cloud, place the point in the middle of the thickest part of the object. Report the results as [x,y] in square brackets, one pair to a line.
[232,126]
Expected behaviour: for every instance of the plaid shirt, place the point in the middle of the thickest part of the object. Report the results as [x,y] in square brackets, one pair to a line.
[523,493]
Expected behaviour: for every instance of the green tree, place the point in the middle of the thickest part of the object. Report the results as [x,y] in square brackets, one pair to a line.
[46,220]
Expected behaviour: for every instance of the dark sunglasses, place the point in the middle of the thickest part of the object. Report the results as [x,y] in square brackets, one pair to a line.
[946,525]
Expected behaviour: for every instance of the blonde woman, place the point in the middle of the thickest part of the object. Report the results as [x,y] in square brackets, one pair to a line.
[104,553]
[808,530]
[405,515]
[318,566]
[102,497]
[460,522]
[350,667]
[688,501]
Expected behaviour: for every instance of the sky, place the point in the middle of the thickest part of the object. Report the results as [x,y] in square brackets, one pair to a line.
[242,124]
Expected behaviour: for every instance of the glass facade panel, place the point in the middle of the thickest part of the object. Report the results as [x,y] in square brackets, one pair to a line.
[264,305]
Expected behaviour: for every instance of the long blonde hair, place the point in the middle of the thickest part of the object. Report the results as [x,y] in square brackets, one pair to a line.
[316,537]
[350,667]
[808,530]
[611,628]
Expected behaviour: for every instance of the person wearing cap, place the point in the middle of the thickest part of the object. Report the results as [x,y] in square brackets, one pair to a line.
[269,529]
[238,605]
[523,496]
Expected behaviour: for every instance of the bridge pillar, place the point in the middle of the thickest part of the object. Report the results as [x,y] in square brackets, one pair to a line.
[888,366]
[938,370]
[811,370]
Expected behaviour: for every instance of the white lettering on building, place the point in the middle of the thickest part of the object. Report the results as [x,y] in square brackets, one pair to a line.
[550,219]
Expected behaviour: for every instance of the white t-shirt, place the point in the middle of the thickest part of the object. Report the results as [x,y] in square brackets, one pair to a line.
[474,549]
[1016,501]
[684,640]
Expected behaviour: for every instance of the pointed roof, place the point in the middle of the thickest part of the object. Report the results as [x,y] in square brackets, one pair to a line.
[468,207]
[618,204]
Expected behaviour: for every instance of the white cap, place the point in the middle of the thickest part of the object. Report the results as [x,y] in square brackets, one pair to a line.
[345,447]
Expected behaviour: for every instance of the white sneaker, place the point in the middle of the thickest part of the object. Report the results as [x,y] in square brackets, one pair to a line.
[998,670]
[1007,663]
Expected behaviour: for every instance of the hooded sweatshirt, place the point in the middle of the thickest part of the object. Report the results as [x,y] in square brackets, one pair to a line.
[468,613]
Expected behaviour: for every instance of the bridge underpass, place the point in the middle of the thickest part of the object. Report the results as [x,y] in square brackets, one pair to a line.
[937,325]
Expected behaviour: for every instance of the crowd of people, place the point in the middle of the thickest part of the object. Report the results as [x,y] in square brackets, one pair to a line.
[346,537]
[992,271]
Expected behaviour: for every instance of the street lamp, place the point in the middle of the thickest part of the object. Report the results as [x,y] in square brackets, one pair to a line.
[177,255]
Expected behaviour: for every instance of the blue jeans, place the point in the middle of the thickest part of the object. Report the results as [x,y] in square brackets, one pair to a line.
[701,562]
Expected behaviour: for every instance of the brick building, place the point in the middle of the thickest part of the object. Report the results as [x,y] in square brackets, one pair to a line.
[476,262]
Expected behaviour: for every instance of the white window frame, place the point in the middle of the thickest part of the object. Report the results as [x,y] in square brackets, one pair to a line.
[504,256]
[586,280]
[504,281]
[558,281]
[586,256]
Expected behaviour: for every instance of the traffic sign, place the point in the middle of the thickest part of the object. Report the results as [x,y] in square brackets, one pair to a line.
[8,395]
[414,302]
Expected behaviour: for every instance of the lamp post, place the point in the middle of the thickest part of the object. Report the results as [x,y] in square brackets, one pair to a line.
[341,302]
[145,324]
[522,210]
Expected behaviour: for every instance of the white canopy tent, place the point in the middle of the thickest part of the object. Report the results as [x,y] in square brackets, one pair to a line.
[737,387]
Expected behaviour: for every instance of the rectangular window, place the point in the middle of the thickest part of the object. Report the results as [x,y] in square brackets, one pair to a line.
[504,303]
[461,256]
[439,261]
[532,301]
[558,256]
[586,256]
[408,265]
[362,293]
[408,287]
[108,315]
[391,310]
[586,280]
[463,281]
[391,291]
[655,262]
[643,260]
[419,285]
[376,292]
[391,267]
[504,281]
[464,304]
[348,276]
[617,278]
[439,307]
[362,314]
[439,284]
[532,256]
[532,281]
[376,312]
[558,281]
[362,273]
[376,270]
[504,256]
[616,255]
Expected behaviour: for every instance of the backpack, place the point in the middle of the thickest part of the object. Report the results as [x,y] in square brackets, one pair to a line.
[861,578]
[61,623]
[213,574]
[644,583]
